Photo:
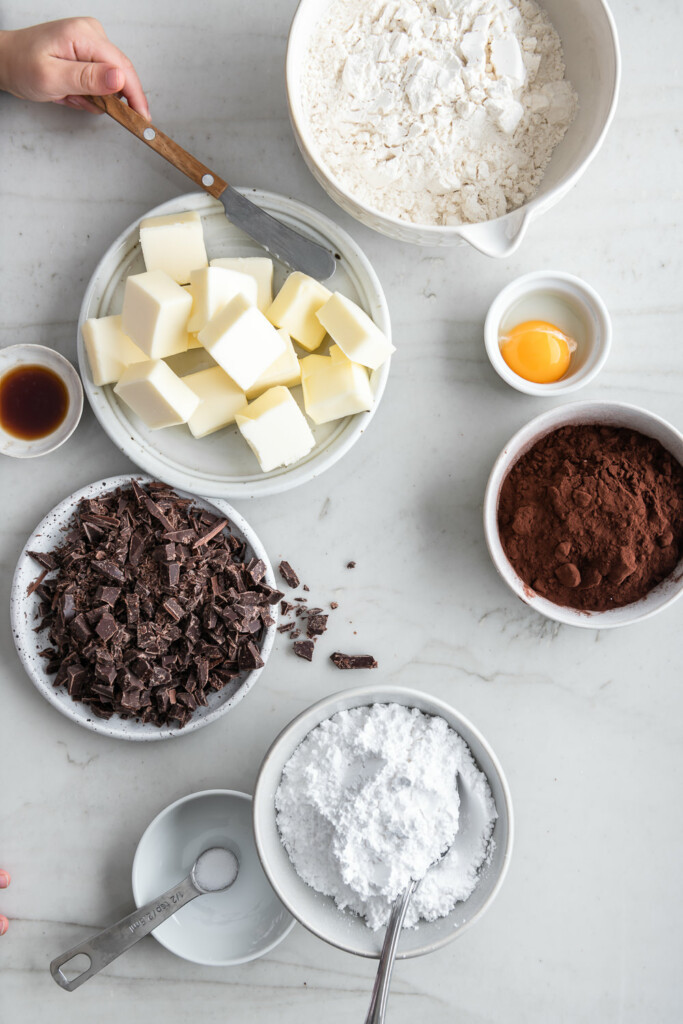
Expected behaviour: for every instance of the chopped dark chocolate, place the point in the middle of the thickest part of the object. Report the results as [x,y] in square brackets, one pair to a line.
[353,660]
[288,575]
[317,624]
[285,627]
[350,565]
[333,604]
[45,559]
[185,617]
[304,649]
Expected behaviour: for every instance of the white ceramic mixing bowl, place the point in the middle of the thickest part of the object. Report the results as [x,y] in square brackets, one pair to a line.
[591,49]
[319,913]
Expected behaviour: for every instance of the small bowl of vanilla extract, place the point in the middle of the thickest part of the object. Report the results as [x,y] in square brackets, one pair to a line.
[41,400]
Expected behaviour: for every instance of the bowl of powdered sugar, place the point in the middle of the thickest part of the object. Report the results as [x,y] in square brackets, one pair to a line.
[442,121]
[367,789]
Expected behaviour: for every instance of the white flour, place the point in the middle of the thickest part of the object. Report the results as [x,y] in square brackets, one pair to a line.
[437,111]
[369,800]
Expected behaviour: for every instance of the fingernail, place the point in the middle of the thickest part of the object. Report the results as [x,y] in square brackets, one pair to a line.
[4,879]
[4,924]
[112,79]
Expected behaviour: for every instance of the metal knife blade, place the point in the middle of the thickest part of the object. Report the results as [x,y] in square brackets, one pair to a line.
[288,245]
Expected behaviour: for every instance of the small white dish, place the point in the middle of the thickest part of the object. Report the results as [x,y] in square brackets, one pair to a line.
[40,355]
[568,303]
[219,929]
[614,414]
[221,464]
[24,608]
[318,913]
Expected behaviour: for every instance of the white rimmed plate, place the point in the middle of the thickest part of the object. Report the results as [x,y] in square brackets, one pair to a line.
[24,616]
[222,465]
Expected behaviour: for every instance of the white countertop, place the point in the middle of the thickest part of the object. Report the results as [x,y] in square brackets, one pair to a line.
[587,725]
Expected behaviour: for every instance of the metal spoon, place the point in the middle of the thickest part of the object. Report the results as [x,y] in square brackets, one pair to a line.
[380,990]
[213,871]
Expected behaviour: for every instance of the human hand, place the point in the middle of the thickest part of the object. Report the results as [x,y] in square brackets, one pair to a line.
[64,61]
[4,882]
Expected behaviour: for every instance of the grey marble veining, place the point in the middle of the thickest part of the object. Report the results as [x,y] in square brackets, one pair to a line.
[586,724]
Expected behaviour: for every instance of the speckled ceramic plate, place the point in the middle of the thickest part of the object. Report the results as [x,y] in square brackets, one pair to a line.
[24,613]
[222,464]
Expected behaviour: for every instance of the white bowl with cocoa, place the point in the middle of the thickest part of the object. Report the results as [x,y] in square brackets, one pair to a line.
[576,574]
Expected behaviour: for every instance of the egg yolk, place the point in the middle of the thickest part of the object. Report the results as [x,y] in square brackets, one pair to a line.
[537,351]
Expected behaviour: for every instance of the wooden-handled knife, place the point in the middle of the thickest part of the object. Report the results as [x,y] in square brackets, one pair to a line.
[288,245]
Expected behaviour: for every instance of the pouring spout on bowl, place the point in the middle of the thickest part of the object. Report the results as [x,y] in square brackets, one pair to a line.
[500,237]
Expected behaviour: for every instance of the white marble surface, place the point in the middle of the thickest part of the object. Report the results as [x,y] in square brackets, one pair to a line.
[587,725]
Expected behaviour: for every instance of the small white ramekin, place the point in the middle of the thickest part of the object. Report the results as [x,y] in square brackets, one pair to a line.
[40,355]
[585,305]
[613,414]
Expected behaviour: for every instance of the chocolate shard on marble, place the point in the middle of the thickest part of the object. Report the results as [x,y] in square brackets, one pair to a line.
[304,649]
[317,624]
[288,575]
[347,661]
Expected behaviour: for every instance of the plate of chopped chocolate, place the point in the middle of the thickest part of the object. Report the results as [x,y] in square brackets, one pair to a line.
[142,612]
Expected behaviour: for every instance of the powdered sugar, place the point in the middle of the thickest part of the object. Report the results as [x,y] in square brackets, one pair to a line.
[437,111]
[369,800]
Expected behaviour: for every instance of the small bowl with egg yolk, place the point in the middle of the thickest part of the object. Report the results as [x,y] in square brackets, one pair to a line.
[547,333]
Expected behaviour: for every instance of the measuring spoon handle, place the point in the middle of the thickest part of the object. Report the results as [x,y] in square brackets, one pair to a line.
[106,945]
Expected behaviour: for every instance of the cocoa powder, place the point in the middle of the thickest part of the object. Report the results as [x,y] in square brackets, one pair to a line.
[591,517]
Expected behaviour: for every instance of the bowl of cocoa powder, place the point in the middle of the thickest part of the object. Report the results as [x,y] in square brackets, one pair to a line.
[583,514]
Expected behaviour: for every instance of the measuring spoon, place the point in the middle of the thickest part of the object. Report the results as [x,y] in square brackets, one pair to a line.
[214,870]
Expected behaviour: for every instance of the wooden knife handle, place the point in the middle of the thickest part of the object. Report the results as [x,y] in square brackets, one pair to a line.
[161,144]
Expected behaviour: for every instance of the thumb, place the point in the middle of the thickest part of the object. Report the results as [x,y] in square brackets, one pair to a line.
[91,78]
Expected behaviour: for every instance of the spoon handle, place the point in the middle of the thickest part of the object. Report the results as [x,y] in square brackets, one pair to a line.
[106,945]
[380,991]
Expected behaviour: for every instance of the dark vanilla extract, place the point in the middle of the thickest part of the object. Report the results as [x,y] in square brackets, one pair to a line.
[33,402]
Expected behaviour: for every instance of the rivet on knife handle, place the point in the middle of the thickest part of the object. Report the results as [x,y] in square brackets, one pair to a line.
[161,144]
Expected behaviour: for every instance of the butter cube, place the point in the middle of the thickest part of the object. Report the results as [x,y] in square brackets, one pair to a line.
[359,338]
[174,243]
[242,341]
[156,394]
[155,314]
[334,388]
[275,429]
[109,350]
[212,289]
[219,400]
[311,364]
[295,306]
[286,370]
[258,267]
[192,339]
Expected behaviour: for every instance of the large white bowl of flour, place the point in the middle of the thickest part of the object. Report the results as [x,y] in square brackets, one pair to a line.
[319,913]
[590,50]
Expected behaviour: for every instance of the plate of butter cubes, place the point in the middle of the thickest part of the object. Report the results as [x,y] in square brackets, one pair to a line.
[219,369]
